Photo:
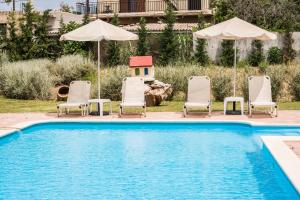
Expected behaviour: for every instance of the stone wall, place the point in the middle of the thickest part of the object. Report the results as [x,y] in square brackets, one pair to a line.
[244,46]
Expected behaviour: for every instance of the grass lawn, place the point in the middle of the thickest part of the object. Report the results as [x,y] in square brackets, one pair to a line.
[15,106]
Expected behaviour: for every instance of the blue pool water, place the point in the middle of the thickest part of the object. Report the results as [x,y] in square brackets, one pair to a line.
[142,161]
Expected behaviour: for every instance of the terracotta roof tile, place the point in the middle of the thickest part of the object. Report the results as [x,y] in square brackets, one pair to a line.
[161,26]
[140,61]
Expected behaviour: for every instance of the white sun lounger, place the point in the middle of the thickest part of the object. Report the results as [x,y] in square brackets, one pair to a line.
[133,96]
[260,94]
[198,94]
[79,94]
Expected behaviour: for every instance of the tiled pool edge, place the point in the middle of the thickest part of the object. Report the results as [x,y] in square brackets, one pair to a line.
[285,157]
[19,126]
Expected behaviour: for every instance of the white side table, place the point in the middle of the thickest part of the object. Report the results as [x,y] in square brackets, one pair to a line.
[234,99]
[100,103]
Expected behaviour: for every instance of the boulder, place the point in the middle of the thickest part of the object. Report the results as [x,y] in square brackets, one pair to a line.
[156,91]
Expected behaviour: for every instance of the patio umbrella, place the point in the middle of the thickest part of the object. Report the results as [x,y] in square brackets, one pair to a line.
[234,29]
[97,31]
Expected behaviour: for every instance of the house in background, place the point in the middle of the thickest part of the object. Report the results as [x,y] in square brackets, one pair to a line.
[57,16]
[130,11]
[4,21]
[54,21]
[142,66]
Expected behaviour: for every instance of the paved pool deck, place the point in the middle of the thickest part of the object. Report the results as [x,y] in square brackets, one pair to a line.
[294,146]
[284,117]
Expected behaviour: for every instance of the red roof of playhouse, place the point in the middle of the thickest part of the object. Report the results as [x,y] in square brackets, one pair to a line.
[140,61]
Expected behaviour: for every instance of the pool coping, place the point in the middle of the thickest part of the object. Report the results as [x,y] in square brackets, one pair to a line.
[285,157]
[288,161]
[19,126]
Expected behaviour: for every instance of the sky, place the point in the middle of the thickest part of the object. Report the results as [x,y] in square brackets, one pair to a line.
[40,4]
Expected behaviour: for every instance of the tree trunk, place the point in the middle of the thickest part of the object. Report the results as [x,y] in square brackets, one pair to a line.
[14,5]
[87,7]
[156,92]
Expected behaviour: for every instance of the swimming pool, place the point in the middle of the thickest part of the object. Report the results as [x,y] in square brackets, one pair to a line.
[142,161]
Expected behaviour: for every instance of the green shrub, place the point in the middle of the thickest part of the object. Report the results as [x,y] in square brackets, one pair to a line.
[227,54]
[263,66]
[126,50]
[242,64]
[3,58]
[72,67]
[185,46]
[289,54]
[256,55]
[143,47]
[245,88]
[201,55]
[111,82]
[26,79]
[296,87]
[179,96]
[113,47]
[221,80]
[221,86]
[276,74]
[168,43]
[177,76]
[275,55]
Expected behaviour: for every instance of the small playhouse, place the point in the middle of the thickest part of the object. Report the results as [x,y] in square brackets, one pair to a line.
[142,66]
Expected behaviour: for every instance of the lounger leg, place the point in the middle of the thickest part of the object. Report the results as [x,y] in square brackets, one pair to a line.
[272,111]
[144,111]
[250,111]
[242,107]
[184,111]
[110,107]
[276,111]
[121,111]
[86,108]
[58,111]
[90,108]
[209,110]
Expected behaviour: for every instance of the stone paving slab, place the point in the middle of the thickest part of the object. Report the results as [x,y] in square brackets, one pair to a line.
[284,117]
[295,146]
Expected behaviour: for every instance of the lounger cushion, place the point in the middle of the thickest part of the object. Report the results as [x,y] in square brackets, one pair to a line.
[257,104]
[193,104]
[71,105]
[132,104]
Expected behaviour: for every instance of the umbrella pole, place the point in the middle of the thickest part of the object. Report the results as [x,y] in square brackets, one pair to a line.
[234,75]
[98,70]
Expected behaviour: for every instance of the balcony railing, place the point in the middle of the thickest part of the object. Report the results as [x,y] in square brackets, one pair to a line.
[140,6]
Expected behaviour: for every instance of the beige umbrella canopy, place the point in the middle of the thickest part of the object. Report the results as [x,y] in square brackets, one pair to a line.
[99,30]
[235,29]
[96,31]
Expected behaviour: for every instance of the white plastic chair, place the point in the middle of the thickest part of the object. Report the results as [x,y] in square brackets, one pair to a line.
[133,96]
[199,94]
[79,94]
[260,94]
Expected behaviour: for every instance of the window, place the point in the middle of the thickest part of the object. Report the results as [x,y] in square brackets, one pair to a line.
[137,71]
[2,30]
[146,71]
[194,5]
